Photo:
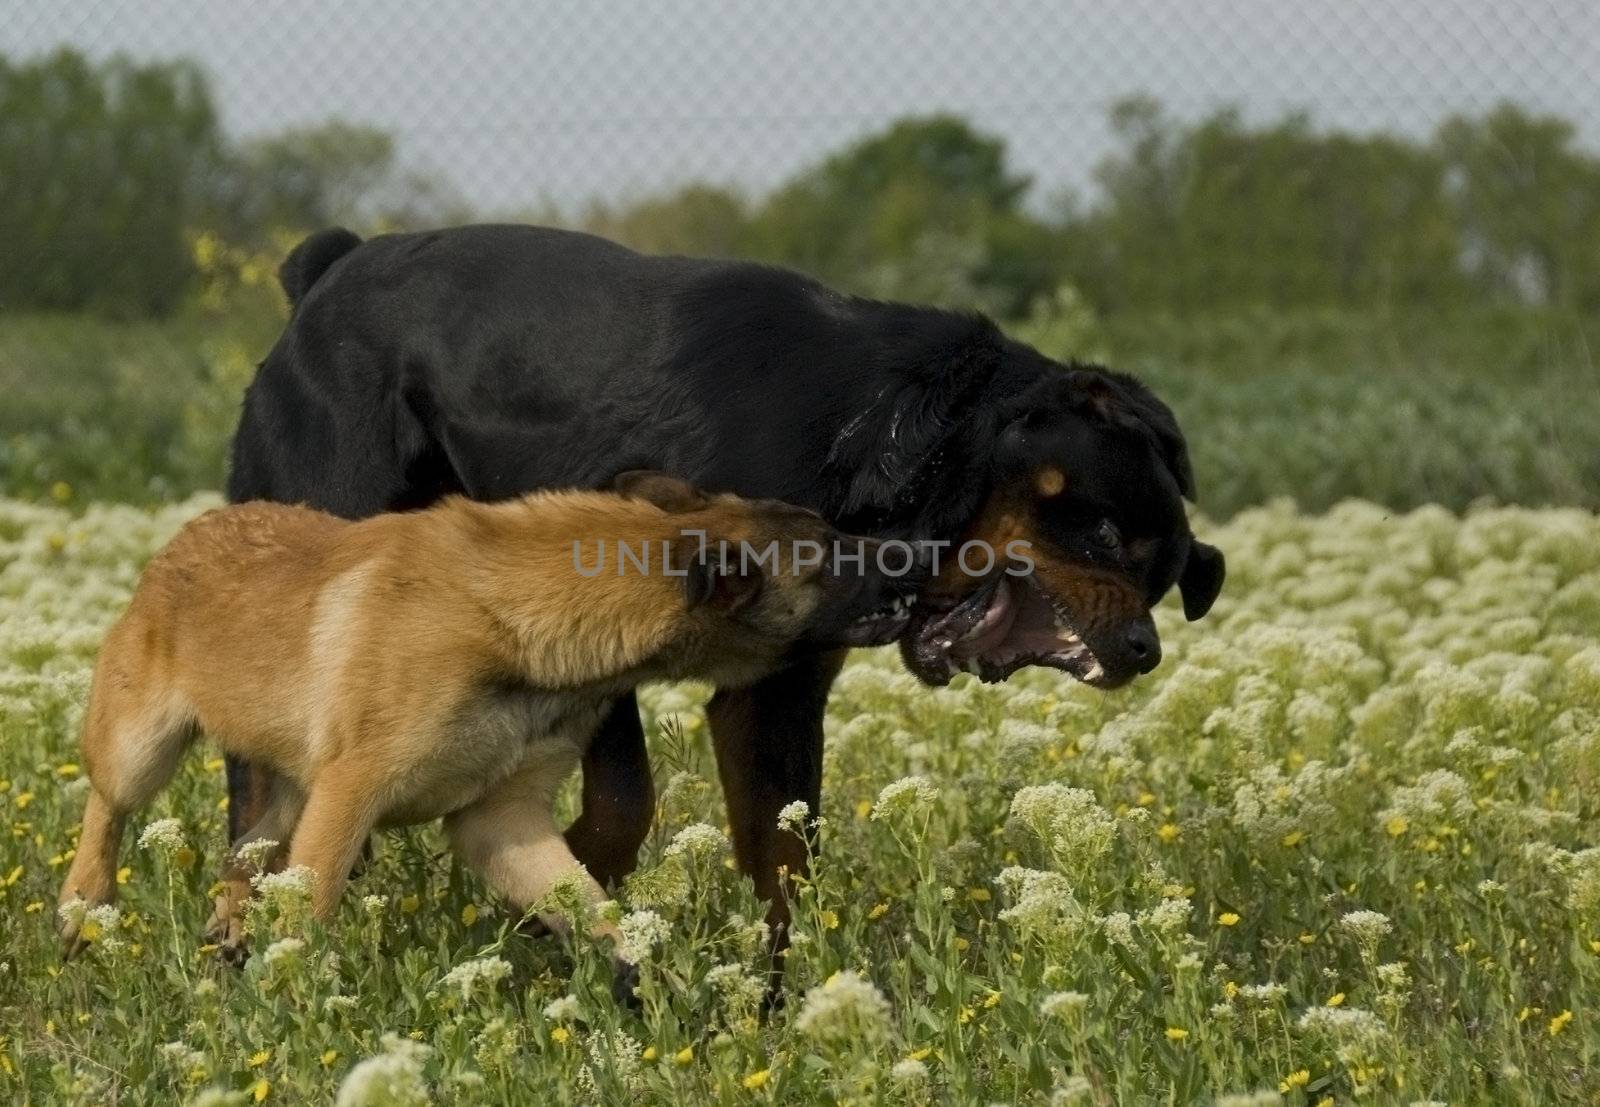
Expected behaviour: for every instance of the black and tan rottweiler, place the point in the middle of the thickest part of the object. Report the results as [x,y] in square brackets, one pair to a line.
[447,663]
[491,360]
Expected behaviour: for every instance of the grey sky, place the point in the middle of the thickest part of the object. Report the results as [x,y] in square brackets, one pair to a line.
[562,99]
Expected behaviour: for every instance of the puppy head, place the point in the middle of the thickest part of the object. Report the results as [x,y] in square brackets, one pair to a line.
[762,576]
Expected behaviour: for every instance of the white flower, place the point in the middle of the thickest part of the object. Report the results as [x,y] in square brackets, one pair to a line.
[844,1008]
[1063,1005]
[254,855]
[286,886]
[1043,905]
[698,841]
[181,1055]
[393,1078]
[909,1071]
[469,976]
[565,1009]
[339,1003]
[736,990]
[1366,927]
[794,815]
[641,932]
[163,835]
[285,953]
[374,905]
[910,795]
[1067,820]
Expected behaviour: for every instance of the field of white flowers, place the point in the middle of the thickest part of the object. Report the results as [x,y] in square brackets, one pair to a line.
[1343,845]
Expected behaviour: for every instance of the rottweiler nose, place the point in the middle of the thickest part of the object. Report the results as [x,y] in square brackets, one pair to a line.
[1144,647]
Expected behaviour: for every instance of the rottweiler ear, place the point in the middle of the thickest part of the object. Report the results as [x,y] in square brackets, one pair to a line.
[709,577]
[1201,580]
[1121,396]
[669,493]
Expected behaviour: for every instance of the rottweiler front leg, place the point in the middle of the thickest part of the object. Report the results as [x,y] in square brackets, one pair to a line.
[768,739]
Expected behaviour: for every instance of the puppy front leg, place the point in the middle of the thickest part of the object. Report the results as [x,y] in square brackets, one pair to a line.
[339,815]
[511,839]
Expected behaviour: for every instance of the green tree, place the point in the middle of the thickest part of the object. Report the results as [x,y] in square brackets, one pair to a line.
[926,209]
[1528,204]
[1220,214]
[700,220]
[104,167]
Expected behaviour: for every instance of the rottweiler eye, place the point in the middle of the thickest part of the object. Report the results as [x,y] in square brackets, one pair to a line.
[1107,537]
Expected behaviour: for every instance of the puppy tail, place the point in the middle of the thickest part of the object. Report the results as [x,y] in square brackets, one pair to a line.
[312,258]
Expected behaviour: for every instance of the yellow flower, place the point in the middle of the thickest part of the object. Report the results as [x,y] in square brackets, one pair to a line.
[1147,799]
[1293,838]
[1176,1033]
[879,910]
[1307,938]
[23,799]
[1297,1079]
[978,895]
[966,1015]
[684,1056]
[259,1058]
[1526,1013]
[184,857]
[214,764]
[123,874]
[89,931]
[1594,943]
[650,1053]
[67,771]
[863,809]
[1230,989]
[410,904]
[829,919]
[1325,1101]
[260,1090]
[329,1056]
[962,945]
[921,1054]
[757,1079]
[34,908]
[61,491]
[559,1035]
[1336,999]
[1168,832]
[469,914]
[1559,1023]
[1464,946]
[1228,918]
[992,999]
[1396,826]
[13,876]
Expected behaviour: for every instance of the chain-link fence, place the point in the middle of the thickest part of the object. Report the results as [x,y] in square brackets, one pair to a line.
[1249,188]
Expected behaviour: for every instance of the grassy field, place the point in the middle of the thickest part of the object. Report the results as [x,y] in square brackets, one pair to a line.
[1341,846]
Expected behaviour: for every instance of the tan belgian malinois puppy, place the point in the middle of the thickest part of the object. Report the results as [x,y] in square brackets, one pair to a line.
[449,663]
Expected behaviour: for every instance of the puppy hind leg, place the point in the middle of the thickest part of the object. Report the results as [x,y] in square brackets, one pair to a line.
[128,764]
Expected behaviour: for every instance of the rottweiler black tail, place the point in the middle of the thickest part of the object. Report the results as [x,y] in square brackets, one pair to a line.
[312,258]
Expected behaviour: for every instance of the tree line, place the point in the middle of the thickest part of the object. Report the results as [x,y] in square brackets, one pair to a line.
[108,169]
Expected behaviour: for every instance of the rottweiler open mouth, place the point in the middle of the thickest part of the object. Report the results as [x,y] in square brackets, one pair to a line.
[1004,625]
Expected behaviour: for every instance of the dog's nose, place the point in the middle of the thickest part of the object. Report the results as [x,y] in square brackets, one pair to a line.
[1144,646]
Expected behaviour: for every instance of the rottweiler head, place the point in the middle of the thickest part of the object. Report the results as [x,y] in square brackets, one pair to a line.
[761,576]
[1087,524]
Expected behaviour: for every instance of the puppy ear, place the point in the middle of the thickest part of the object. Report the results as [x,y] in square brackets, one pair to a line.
[711,578]
[669,493]
[1201,580]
